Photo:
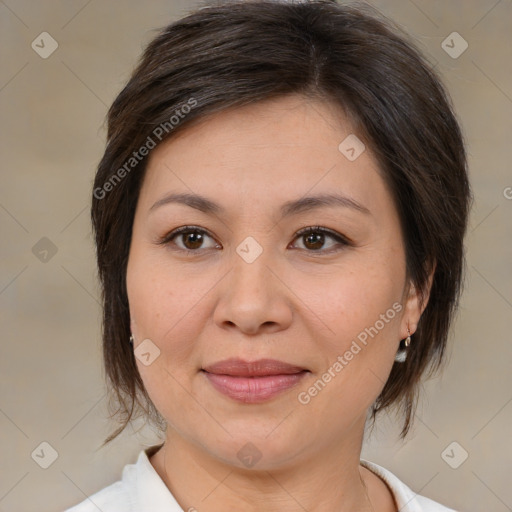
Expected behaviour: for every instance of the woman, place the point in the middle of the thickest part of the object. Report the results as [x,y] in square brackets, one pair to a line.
[279,218]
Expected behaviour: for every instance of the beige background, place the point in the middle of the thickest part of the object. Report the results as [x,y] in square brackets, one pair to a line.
[52,389]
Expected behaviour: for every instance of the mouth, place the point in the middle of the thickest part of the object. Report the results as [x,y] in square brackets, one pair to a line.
[261,368]
[253,382]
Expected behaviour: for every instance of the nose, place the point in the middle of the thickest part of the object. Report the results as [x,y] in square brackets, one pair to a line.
[253,297]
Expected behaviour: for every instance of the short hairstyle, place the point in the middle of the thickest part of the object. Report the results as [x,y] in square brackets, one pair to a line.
[230,54]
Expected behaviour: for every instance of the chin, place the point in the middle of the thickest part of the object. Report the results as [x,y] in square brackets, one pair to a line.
[254,447]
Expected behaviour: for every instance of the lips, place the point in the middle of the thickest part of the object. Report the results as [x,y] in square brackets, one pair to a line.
[261,368]
[253,382]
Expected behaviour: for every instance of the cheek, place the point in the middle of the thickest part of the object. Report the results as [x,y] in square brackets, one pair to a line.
[350,301]
[162,314]
[161,311]
[361,309]
[155,294]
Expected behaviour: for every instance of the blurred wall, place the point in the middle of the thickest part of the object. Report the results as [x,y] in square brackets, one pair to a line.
[52,389]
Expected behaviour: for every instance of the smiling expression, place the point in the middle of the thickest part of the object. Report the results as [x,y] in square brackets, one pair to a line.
[247,278]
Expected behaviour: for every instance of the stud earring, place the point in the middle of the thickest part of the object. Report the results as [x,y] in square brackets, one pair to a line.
[131,339]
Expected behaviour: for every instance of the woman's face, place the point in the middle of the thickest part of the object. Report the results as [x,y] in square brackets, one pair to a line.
[249,287]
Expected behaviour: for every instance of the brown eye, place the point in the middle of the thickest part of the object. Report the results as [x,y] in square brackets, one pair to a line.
[191,239]
[314,239]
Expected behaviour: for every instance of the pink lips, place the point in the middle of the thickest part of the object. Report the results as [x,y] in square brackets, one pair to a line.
[253,382]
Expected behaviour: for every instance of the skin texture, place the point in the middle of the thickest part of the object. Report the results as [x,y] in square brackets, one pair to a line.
[299,301]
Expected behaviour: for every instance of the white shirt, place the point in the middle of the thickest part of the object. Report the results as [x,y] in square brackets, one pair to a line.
[142,490]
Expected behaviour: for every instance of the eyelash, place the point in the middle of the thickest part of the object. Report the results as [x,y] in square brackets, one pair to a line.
[342,240]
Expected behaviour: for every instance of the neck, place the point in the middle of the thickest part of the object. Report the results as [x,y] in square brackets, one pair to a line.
[322,480]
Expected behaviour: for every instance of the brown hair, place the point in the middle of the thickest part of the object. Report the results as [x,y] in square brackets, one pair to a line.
[235,53]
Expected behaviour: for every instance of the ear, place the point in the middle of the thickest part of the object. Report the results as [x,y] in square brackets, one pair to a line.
[415,304]
[133,326]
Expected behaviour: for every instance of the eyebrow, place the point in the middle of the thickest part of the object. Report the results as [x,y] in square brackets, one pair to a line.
[288,209]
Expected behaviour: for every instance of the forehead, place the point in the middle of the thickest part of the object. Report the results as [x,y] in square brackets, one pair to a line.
[276,149]
[293,120]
